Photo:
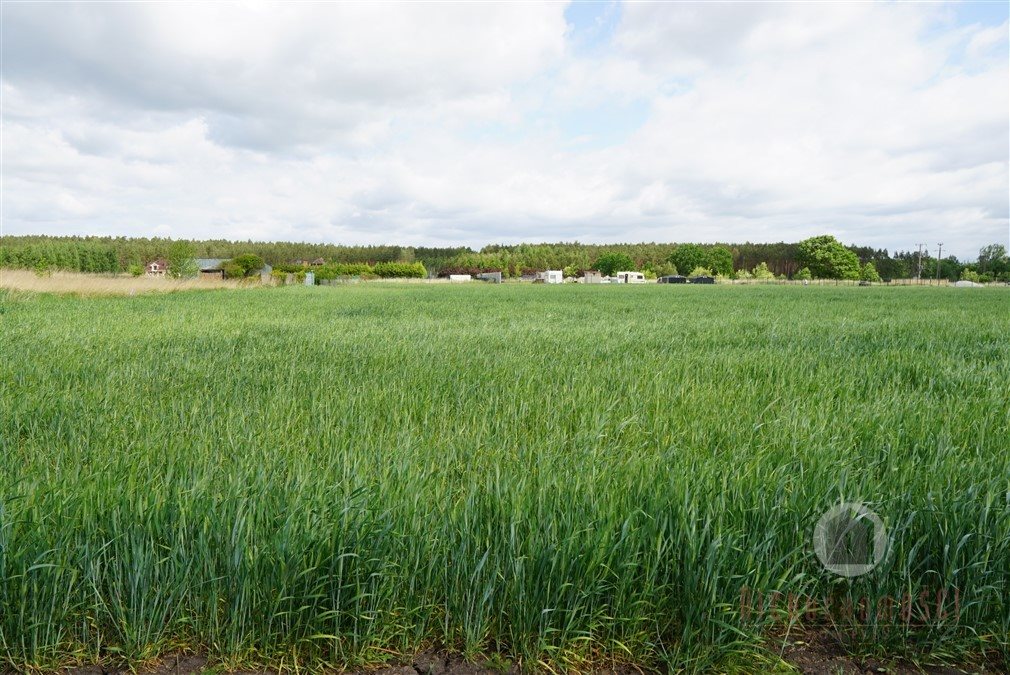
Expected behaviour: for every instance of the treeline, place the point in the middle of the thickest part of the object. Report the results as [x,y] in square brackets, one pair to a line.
[575,258]
[118,254]
[782,259]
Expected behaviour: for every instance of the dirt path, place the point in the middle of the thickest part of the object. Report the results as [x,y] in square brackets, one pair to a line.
[810,655]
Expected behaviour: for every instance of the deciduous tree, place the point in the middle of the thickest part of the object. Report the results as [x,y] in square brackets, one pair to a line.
[181,260]
[248,263]
[828,259]
[869,273]
[689,256]
[610,263]
[720,260]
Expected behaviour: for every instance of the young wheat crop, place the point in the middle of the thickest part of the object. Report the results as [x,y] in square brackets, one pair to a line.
[569,476]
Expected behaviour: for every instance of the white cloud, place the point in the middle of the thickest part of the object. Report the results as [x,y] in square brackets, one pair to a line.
[471,123]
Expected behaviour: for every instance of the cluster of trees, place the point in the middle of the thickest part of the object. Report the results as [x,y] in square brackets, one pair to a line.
[993,264]
[817,257]
[693,259]
[575,258]
[821,257]
[45,254]
[687,259]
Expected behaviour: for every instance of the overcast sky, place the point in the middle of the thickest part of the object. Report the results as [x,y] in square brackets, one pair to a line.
[429,124]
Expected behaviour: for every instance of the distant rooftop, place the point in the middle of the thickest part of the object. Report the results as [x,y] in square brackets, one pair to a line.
[210,263]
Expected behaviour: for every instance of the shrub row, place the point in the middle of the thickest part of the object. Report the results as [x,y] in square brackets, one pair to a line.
[382,270]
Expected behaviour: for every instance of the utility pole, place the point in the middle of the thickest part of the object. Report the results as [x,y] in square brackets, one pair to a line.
[918,274]
[939,257]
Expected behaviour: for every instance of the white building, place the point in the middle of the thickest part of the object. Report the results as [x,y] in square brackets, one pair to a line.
[551,277]
[459,278]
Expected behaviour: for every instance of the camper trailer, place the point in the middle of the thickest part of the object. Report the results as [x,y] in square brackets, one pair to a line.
[629,278]
[550,277]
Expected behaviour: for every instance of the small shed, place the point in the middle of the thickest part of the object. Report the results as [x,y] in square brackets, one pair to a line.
[459,278]
[592,277]
[211,268]
[492,277]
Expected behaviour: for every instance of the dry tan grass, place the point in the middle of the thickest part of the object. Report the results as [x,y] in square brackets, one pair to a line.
[107,284]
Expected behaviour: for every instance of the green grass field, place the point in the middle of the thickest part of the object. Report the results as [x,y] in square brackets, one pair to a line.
[567,476]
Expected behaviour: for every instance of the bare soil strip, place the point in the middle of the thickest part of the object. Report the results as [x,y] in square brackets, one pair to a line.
[815,654]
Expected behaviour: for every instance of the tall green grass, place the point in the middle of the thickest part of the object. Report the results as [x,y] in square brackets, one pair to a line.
[567,476]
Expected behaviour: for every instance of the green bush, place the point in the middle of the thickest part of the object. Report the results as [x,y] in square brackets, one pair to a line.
[396,270]
[248,263]
[337,270]
[762,273]
[970,275]
[233,270]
